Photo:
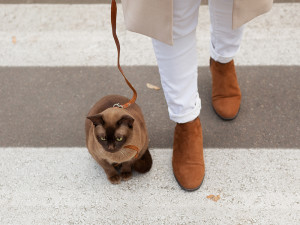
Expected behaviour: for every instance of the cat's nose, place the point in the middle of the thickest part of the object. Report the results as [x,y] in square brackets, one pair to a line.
[110,147]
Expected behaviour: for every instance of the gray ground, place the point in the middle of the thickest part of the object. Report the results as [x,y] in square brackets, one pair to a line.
[61,98]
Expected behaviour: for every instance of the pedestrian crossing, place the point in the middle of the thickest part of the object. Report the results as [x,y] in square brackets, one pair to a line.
[80,35]
[54,64]
[65,185]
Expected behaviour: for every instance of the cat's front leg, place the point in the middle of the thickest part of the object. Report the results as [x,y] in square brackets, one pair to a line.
[126,171]
[111,173]
[114,177]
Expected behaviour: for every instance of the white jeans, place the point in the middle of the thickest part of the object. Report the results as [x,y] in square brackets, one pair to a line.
[177,64]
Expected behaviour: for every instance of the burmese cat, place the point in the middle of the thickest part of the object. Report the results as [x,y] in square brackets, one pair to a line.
[110,129]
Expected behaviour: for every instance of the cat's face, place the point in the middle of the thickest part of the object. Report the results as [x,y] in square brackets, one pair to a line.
[112,129]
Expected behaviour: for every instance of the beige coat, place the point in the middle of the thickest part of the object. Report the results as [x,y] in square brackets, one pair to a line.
[154,18]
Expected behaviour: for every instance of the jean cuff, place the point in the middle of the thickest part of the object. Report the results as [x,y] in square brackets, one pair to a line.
[217,57]
[189,116]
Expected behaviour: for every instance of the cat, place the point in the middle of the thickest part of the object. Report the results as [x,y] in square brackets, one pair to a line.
[109,130]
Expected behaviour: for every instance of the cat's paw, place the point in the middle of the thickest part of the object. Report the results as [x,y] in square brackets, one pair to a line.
[126,175]
[115,179]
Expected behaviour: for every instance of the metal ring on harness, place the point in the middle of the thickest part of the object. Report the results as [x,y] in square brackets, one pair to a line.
[118,105]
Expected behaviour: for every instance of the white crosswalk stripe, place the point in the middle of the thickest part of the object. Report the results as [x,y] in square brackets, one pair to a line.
[80,35]
[66,186]
[59,185]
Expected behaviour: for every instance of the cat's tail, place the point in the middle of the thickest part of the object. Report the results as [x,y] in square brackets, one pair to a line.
[144,164]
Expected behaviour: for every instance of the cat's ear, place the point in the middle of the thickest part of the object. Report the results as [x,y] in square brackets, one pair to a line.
[97,119]
[126,120]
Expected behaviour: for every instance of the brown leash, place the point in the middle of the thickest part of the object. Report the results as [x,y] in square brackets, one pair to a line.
[113,25]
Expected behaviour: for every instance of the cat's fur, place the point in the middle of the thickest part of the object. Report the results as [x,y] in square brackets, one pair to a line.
[103,124]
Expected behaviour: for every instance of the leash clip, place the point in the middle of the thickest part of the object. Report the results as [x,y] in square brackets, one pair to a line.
[118,105]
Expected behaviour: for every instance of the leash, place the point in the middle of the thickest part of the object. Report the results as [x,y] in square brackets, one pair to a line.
[113,26]
[126,105]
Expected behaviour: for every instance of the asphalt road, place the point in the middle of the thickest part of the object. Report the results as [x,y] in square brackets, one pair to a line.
[44,106]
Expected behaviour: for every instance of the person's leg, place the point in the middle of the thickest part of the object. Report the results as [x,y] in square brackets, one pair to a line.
[225,43]
[178,64]
[178,71]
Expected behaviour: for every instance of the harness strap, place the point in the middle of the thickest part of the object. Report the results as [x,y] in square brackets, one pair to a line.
[133,147]
[113,25]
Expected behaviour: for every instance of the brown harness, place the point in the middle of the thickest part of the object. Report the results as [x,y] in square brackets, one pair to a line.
[133,99]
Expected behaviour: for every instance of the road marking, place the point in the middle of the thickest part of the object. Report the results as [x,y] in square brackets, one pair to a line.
[60,185]
[80,35]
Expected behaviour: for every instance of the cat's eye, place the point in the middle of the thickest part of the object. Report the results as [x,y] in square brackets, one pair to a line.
[103,138]
[119,139]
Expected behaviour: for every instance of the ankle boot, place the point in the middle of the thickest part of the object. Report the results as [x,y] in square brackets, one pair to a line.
[188,160]
[226,94]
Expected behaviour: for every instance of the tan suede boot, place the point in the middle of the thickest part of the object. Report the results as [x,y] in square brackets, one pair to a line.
[188,160]
[226,94]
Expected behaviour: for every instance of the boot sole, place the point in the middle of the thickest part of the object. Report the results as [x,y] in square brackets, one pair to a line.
[226,119]
[189,189]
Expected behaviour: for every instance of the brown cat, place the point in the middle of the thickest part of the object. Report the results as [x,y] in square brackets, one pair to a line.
[110,131]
